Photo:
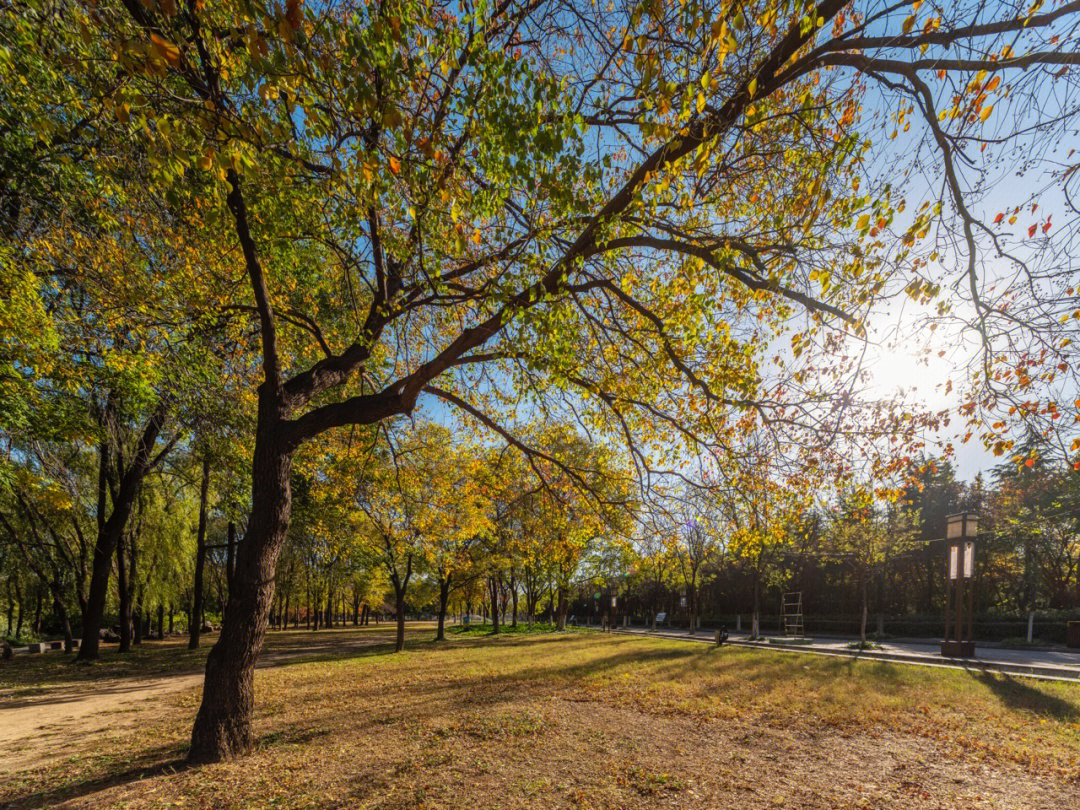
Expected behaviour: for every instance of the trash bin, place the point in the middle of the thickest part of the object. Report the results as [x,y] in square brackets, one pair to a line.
[1073,637]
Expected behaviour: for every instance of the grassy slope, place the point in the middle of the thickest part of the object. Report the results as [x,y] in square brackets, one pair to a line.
[575,720]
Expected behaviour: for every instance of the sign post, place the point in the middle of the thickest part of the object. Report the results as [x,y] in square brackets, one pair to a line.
[961,530]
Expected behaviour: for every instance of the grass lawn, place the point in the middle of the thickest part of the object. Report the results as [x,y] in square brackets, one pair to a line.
[551,720]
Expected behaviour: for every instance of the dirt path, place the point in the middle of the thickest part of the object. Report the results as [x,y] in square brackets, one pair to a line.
[62,720]
[38,728]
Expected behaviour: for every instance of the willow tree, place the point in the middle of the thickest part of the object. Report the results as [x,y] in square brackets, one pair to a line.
[633,202]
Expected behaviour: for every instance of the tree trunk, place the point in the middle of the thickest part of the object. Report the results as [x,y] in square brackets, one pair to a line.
[161,621]
[493,586]
[562,608]
[62,614]
[865,610]
[111,529]
[755,619]
[444,600]
[400,605]
[172,617]
[514,598]
[230,558]
[124,595]
[134,592]
[223,727]
[37,611]
[10,605]
[195,627]
[693,612]
[19,597]
[137,637]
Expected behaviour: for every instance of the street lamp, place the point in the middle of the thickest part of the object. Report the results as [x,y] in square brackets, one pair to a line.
[960,532]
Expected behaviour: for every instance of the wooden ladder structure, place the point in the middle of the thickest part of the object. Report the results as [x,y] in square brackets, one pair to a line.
[791,614]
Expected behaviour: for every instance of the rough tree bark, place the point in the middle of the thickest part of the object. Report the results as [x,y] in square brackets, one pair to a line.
[223,726]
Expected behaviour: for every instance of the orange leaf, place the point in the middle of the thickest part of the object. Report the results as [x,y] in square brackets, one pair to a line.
[395,167]
[293,14]
[166,50]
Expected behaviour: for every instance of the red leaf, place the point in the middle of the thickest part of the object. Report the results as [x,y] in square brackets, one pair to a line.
[998,218]
[1032,229]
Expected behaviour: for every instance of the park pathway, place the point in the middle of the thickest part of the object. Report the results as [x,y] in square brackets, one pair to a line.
[62,719]
[1050,664]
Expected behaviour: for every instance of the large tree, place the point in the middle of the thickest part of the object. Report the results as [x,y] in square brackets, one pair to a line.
[633,202]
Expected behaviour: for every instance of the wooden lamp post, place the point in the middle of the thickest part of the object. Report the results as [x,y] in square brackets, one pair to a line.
[961,530]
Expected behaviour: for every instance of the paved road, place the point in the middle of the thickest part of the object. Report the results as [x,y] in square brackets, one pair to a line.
[1044,663]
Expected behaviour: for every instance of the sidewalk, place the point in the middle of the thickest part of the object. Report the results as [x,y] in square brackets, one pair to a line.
[1051,664]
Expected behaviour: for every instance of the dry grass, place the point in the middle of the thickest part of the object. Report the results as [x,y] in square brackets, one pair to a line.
[580,720]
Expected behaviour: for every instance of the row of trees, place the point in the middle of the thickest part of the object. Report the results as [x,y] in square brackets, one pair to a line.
[427,521]
[241,242]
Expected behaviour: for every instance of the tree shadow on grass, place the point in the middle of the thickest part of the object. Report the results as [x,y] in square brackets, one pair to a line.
[543,665]
[1019,693]
[165,760]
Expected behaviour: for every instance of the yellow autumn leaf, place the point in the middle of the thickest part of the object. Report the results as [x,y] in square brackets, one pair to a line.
[989,108]
[864,220]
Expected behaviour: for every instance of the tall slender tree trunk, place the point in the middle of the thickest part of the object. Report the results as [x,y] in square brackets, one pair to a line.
[140,617]
[693,609]
[493,586]
[134,591]
[223,726]
[160,621]
[200,559]
[865,610]
[562,608]
[37,611]
[19,620]
[62,614]
[124,595]
[111,529]
[444,600]
[230,552]
[399,594]
[755,619]
[514,597]
[11,606]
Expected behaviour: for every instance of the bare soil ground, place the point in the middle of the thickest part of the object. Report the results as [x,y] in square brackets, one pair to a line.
[554,721]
